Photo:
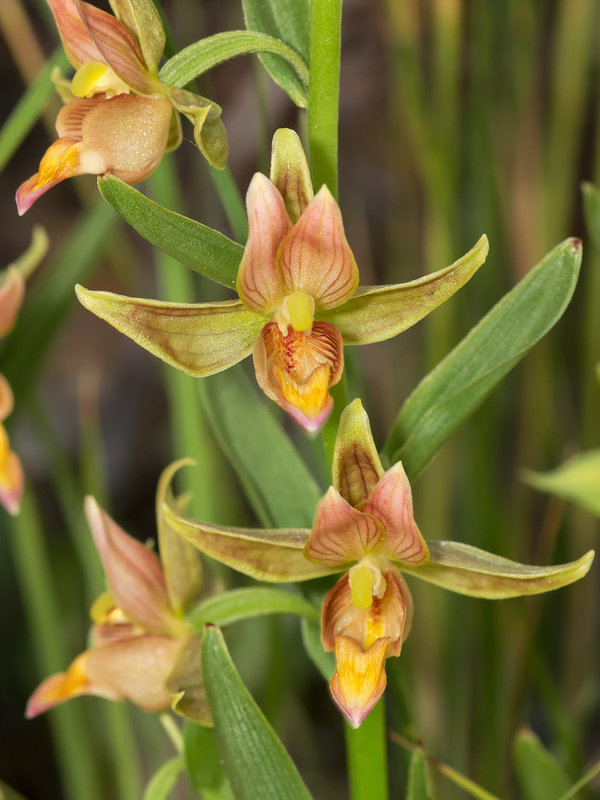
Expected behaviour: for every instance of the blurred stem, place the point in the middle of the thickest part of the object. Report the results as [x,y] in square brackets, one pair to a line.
[366,752]
[172,731]
[20,39]
[323,91]
[34,574]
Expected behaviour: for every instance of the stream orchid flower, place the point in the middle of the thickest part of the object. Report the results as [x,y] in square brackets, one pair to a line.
[142,649]
[298,299]
[118,117]
[364,527]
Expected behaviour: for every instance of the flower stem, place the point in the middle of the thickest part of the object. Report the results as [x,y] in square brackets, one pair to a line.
[323,91]
[366,752]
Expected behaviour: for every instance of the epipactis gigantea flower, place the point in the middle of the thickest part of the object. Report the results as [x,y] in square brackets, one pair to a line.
[142,649]
[118,117]
[364,527]
[298,299]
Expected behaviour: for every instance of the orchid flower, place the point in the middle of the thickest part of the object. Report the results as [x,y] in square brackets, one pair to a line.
[364,527]
[298,300]
[142,649]
[119,118]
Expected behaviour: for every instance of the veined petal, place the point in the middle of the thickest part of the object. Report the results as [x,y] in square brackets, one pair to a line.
[185,684]
[376,313]
[200,339]
[267,555]
[6,398]
[315,256]
[258,281]
[297,370]
[12,292]
[64,158]
[388,617]
[340,533]
[360,678]
[12,479]
[77,41]
[130,133]
[142,19]
[356,464]
[61,687]
[391,502]
[69,120]
[471,571]
[290,172]
[209,132]
[134,573]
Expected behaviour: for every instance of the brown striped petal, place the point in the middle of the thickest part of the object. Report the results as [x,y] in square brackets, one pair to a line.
[290,172]
[315,256]
[356,464]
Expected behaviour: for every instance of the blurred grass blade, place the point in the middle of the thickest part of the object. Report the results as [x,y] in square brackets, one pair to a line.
[29,108]
[201,755]
[288,22]
[199,247]
[539,774]
[238,604]
[591,209]
[311,638]
[276,481]
[582,782]
[255,760]
[458,385]
[207,53]
[578,480]
[163,781]
[419,782]
[50,300]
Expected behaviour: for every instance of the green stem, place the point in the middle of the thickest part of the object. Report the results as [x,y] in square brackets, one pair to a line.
[366,752]
[323,91]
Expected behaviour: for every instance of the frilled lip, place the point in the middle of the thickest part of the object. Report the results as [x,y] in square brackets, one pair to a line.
[297,369]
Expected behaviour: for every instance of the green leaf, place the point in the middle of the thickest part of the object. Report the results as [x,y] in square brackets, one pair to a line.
[255,760]
[201,755]
[207,53]
[6,793]
[419,782]
[459,384]
[199,247]
[288,22]
[238,604]
[276,481]
[578,479]
[539,773]
[591,209]
[162,782]
[311,638]
[471,571]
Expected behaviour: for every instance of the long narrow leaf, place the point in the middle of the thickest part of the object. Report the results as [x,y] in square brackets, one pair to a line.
[239,604]
[458,385]
[199,247]
[255,760]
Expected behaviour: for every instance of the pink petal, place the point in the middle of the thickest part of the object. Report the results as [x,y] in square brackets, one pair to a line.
[340,533]
[11,298]
[315,256]
[259,282]
[12,478]
[134,573]
[391,502]
[6,398]
[297,370]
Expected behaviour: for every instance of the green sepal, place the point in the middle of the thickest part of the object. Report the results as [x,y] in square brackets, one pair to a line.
[540,775]
[376,313]
[162,783]
[238,604]
[468,570]
[142,19]
[255,760]
[290,172]
[198,338]
[199,247]
[578,480]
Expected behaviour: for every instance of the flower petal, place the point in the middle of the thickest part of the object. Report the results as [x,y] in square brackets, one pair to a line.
[259,282]
[7,400]
[471,571]
[130,133]
[356,463]
[290,172]
[315,256]
[185,684]
[65,158]
[340,533]
[391,502]
[61,687]
[200,339]
[380,312]
[360,678]
[142,19]
[12,293]
[267,555]
[134,573]
[388,616]
[12,479]
[297,370]
[209,132]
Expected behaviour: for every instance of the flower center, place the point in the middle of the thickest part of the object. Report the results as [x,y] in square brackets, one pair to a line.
[297,310]
[366,582]
[93,77]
